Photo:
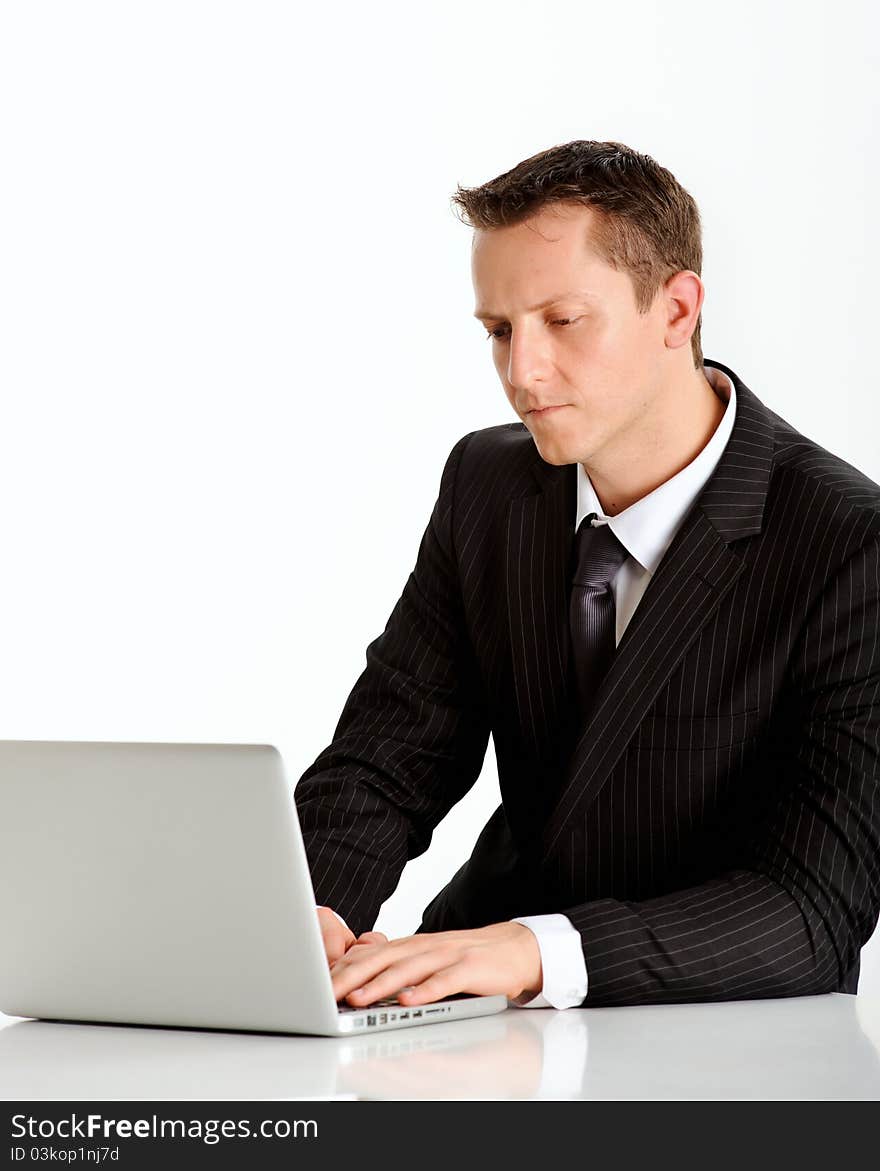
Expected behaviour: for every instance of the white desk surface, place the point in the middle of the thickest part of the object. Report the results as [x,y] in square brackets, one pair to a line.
[812,1047]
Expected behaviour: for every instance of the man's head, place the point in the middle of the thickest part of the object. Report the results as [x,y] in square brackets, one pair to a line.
[613,243]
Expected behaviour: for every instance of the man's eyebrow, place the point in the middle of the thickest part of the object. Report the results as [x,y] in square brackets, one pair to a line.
[578,294]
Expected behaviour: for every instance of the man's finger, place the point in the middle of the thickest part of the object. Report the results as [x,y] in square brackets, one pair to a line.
[413,983]
[364,960]
[384,973]
[337,937]
[354,952]
[440,984]
[372,937]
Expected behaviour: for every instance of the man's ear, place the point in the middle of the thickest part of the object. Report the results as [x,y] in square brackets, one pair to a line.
[683,296]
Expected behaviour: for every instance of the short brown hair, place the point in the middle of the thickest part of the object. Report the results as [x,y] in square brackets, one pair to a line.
[646,224]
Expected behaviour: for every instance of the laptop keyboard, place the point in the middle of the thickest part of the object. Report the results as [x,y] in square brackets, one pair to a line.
[392,1000]
[374,1004]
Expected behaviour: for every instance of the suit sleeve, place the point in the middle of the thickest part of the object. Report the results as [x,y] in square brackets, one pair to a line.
[410,741]
[791,918]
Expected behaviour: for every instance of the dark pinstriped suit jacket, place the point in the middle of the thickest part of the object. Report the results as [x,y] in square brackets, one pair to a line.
[713,828]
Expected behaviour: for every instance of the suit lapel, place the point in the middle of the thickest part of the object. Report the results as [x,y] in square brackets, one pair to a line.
[692,579]
[539,543]
[696,573]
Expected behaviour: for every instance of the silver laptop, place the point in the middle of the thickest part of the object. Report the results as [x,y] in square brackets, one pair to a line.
[167,884]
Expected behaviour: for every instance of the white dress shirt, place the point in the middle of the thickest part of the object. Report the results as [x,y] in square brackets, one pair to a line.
[645,530]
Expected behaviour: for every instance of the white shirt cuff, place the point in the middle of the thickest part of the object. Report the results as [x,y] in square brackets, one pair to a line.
[562,961]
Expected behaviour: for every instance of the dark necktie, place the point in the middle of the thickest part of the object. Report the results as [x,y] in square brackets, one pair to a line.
[598,557]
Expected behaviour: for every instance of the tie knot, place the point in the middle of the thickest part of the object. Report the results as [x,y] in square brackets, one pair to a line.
[599,554]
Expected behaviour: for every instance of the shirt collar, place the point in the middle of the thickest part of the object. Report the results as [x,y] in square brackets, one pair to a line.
[647,527]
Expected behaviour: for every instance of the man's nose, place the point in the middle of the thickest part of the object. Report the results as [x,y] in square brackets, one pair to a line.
[527,358]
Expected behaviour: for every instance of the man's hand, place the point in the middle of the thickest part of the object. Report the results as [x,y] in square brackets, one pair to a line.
[501,958]
[338,938]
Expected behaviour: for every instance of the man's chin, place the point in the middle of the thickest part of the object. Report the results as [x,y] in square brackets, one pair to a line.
[556,454]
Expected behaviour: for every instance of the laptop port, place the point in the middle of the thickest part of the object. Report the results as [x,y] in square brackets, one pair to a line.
[371,1020]
[383,1018]
[417,1014]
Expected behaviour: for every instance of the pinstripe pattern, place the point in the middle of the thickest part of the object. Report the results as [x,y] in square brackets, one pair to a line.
[715,832]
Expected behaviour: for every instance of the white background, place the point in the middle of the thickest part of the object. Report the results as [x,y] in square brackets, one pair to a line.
[237,342]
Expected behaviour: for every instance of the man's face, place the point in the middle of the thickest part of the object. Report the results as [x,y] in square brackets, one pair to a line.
[582,372]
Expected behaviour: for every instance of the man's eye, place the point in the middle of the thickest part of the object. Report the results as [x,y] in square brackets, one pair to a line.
[498,334]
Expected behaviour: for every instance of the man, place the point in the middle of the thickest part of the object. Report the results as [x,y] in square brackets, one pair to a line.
[663,604]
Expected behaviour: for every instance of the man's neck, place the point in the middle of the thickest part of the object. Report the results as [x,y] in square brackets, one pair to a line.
[687,419]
